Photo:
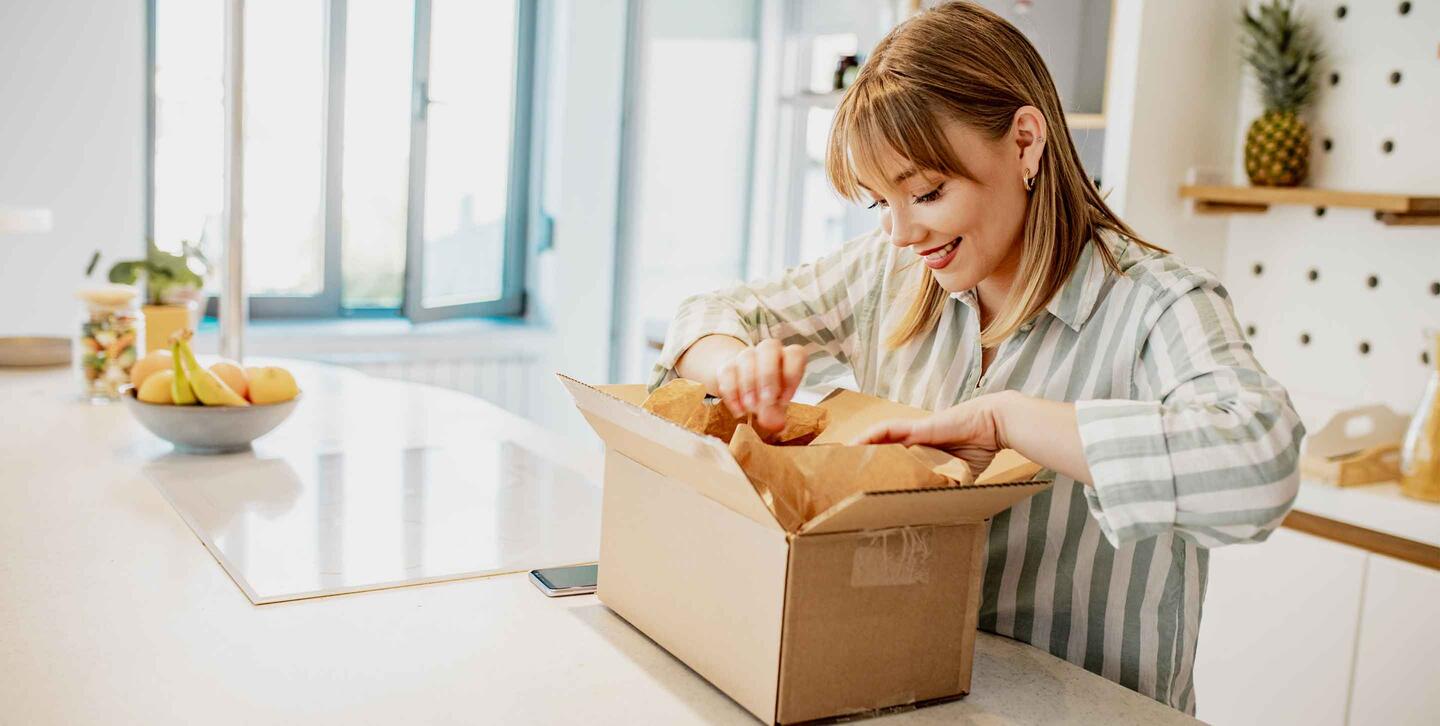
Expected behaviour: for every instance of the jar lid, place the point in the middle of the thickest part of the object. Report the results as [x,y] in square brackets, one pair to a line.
[109,297]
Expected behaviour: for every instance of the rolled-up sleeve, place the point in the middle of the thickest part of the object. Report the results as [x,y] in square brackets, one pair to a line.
[814,305]
[1209,448]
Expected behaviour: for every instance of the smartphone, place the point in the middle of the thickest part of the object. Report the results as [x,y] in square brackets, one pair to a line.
[562,581]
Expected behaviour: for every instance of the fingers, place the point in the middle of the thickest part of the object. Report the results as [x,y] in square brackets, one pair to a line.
[889,432]
[792,368]
[768,382]
[745,378]
[761,380]
[923,431]
[770,406]
[727,379]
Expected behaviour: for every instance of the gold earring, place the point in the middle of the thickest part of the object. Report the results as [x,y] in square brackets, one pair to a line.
[1029,182]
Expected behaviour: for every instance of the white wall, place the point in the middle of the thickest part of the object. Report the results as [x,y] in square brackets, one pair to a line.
[574,295]
[686,162]
[1345,247]
[1170,107]
[72,136]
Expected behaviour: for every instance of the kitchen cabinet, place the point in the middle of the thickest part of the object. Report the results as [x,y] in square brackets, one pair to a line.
[1397,659]
[1277,632]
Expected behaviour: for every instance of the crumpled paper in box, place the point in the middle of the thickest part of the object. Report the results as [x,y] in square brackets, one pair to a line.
[683,402]
[798,483]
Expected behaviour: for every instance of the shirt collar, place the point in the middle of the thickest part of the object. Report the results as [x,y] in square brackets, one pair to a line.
[1076,300]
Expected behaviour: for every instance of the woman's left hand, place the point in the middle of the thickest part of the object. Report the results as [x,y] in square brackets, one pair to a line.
[970,430]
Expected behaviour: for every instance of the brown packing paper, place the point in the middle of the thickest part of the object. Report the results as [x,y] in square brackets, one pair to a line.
[802,424]
[683,402]
[798,483]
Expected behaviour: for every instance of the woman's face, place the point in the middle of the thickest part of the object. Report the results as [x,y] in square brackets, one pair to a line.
[964,230]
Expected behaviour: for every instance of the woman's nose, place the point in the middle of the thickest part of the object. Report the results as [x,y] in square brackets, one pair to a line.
[904,232]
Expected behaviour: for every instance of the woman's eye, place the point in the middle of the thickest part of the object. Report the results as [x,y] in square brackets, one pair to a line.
[878,203]
[931,196]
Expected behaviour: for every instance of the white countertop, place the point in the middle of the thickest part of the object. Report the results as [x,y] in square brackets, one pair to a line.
[1378,507]
[111,610]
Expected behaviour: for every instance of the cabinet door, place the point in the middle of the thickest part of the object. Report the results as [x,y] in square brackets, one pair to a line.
[1397,663]
[1277,632]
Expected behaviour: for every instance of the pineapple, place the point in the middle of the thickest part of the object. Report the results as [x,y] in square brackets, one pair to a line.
[1285,56]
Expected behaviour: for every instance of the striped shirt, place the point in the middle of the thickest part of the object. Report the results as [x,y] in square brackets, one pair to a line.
[1190,443]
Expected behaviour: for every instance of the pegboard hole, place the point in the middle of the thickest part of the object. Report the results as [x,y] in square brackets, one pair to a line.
[1250,331]
[1319,211]
[1258,269]
[1334,78]
[1313,274]
[1372,282]
[1395,78]
[1405,7]
[1340,12]
[1304,339]
[1364,347]
[1435,288]
[1388,146]
[1425,358]
[1327,144]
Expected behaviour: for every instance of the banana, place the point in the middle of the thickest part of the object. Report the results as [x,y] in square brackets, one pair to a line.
[180,391]
[208,387]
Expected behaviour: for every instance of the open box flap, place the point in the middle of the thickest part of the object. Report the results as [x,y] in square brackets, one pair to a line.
[702,462]
[919,507]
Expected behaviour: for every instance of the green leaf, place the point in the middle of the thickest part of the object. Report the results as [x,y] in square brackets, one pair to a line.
[126,273]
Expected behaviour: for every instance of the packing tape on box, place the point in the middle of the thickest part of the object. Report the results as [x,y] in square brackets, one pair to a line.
[899,556]
[905,702]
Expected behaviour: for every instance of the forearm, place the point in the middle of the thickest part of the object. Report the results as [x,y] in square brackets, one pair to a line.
[702,359]
[1045,432]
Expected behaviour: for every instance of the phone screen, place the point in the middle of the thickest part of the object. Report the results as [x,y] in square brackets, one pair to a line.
[563,578]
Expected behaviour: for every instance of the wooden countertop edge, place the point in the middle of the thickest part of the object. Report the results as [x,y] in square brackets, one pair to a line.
[1369,540]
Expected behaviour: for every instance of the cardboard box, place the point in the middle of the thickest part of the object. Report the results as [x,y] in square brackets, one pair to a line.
[870,605]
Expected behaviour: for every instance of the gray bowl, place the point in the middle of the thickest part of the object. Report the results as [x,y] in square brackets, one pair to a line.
[208,429]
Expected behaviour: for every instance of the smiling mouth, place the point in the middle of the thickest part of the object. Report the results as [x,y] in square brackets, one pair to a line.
[939,253]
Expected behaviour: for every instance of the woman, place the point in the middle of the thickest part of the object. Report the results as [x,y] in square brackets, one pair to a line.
[1002,293]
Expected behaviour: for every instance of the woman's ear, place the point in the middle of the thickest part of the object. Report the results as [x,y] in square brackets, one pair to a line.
[1029,130]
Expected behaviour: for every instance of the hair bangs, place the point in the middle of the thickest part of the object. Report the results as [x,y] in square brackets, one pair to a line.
[881,132]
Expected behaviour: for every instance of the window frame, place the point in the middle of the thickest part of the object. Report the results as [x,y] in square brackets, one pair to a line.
[329,302]
[517,206]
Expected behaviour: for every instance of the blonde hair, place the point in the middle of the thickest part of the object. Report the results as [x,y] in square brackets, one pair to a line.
[962,62]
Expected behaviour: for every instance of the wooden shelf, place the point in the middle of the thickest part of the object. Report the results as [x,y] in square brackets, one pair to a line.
[1392,209]
[1085,120]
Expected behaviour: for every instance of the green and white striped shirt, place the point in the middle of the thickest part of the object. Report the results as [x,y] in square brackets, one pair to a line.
[1190,443]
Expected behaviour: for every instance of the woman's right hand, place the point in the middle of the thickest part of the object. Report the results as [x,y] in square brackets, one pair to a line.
[760,380]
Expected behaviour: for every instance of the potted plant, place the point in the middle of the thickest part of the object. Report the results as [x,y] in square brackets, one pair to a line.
[173,289]
[1285,55]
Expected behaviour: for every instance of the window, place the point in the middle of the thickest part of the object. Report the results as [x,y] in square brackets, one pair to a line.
[798,216]
[691,86]
[386,150]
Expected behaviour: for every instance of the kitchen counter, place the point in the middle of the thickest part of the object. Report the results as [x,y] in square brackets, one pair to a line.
[1376,507]
[111,610]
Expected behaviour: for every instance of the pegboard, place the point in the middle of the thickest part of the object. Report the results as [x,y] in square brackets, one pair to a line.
[1336,304]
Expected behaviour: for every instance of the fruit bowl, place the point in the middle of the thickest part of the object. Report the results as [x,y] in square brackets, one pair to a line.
[208,429]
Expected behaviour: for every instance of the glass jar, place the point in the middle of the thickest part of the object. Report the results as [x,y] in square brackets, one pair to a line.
[109,339]
[1420,456]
